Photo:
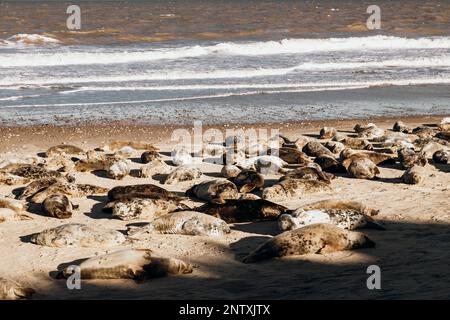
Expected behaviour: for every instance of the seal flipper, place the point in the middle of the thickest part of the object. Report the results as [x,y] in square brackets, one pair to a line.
[263,252]
[372,224]
[248,187]
[24,292]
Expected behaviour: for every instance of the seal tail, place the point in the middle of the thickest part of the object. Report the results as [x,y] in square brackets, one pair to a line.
[263,252]
[24,292]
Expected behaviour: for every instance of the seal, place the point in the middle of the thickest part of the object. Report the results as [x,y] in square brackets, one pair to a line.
[294,188]
[320,238]
[268,164]
[12,210]
[38,185]
[298,143]
[361,167]
[327,133]
[414,175]
[184,222]
[311,171]
[347,155]
[248,180]
[214,191]
[156,167]
[75,190]
[361,127]
[150,191]
[357,143]
[372,133]
[341,205]
[149,156]
[114,146]
[329,164]
[230,171]
[293,156]
[424,132]
[11,179]
[31,171]
[444,125]
[77,235]
[233,211]
[64,149]
[444,135]
[409,158]
[181,156]
[345,218]
[314,149]
[119,170]
[442,156]
[58,206]
[183,173]
[334,146]
[136,264]
[140,208]
[400,126]
[11,290]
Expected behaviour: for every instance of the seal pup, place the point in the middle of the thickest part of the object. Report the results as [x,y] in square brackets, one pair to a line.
[149,156]
[294,188]
[293,156]
[136,264]
[409,158]
[12,210]
[233,211]
[141,208]
[230,171]
[181,156]
[184,222]
[154,168]
[58,206]
[314,149]
[319,238]
[424,132]
[77,235]
[215,191]
[442,156]
[341,205]
[400,126]
[75,190]
[298,143]
[327,133]
[63,149]
[114,146]
[311,171]
[95,164]
[347,155]
[140,191]
[248,180]
[372,133]
[414,175]
[343,218]
[183,173]
[361,127]
[11,290]
[119,170]
[30,171]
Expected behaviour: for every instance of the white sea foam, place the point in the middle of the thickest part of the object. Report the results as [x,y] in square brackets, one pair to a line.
[25,39]
[89,56]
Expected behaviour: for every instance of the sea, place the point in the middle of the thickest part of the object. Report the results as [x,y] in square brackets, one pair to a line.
[248,61]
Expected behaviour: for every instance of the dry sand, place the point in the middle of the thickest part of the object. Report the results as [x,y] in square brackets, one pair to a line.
[413,254]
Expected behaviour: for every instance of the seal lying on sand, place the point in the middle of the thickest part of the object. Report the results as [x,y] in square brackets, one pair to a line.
[409,158]
[314,149]
[317,238]
[244,210]
[357,143]
[327,133]
[442,156]
[140,208]
[400,126]
[343,218]
[77,235]
[11,179]
[414,175]
[40,184]
[137,264]
[230,171]
[76,190]
[215,191]
[248,180]
[329,164]
[294,188]
[341,205]
[184,222]
[58,206]
[12,210]
[114,146]
[311,171]
[140,191]
[154,168]
[183,173]
[293,156]
[149,156]
[63,149]
[11,290]
[30,171]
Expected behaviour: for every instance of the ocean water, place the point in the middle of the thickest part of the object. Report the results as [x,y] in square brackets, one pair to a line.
[247,61]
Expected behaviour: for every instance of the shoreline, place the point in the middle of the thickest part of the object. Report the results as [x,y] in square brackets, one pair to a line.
[20,138]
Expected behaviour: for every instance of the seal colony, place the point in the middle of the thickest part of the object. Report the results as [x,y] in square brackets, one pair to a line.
[248,190]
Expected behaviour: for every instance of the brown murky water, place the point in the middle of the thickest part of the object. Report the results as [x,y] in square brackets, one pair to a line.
[114,22]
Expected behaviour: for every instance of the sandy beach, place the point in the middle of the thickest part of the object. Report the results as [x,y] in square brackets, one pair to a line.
[412,253]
